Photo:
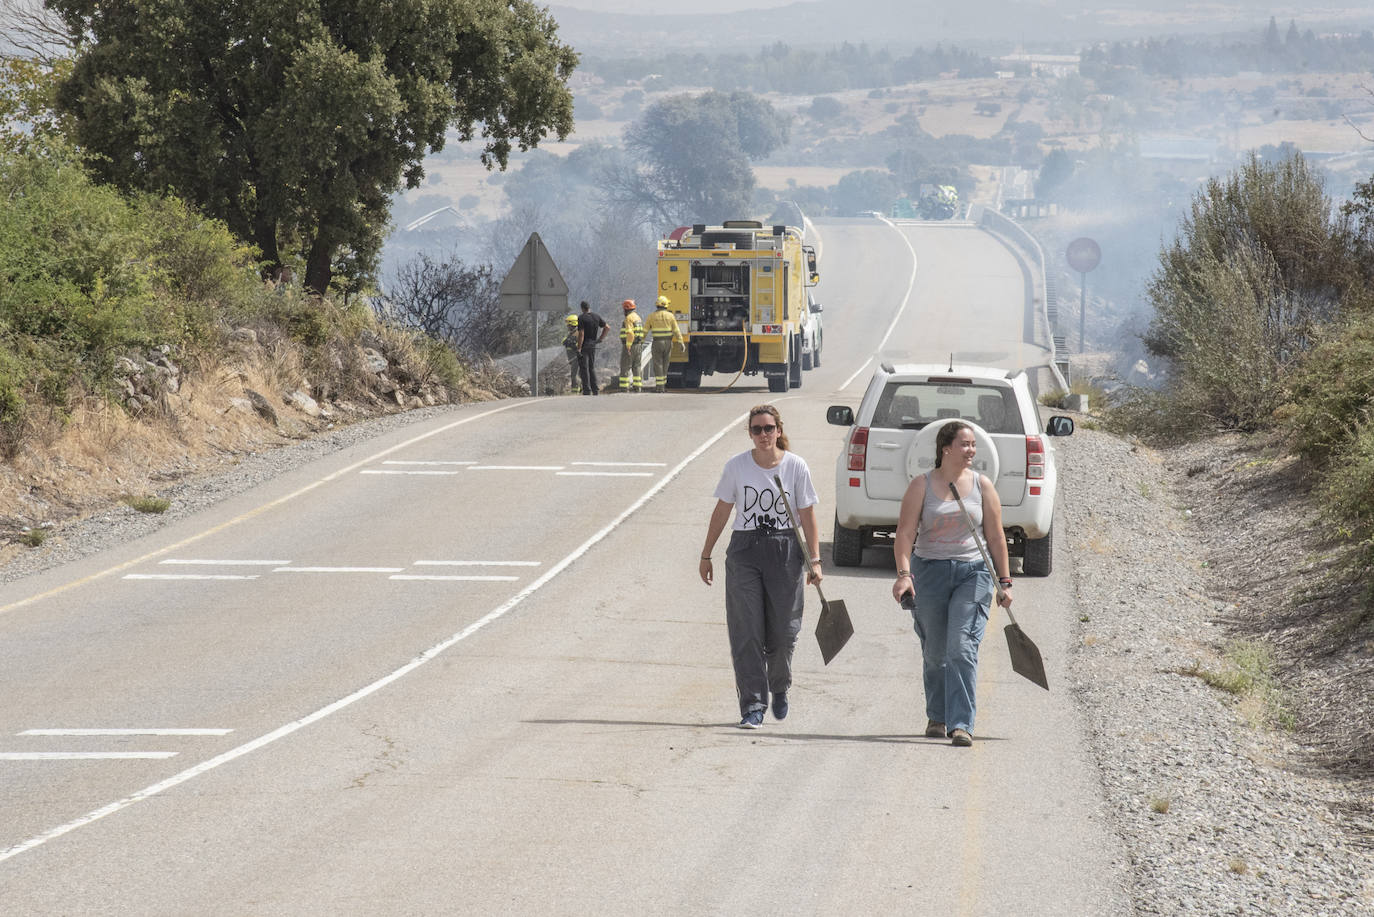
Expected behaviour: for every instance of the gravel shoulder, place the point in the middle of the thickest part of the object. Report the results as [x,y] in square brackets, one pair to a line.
[1218,816]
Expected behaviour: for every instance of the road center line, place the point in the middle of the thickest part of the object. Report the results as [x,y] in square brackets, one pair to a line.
[515,467]
[606,474]
[343,702]
[390,471]
[623,464]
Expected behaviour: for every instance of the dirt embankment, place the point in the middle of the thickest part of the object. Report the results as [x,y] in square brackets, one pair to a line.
[173,421]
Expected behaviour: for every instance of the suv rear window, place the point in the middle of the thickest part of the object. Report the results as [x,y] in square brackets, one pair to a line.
[912,405]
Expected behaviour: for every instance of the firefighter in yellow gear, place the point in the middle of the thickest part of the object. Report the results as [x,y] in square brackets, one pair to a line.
[631,349]
[662,325]
[570,348]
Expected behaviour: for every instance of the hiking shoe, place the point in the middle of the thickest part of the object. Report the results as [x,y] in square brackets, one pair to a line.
[780,706]
[752,720]
[935,730]
[961,738]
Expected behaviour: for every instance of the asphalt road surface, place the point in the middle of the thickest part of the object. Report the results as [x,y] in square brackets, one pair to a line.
[468,668]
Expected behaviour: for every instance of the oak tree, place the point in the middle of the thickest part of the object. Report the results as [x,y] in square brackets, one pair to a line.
[295,121]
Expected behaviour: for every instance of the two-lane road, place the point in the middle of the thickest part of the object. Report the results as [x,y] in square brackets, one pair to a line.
[468,668]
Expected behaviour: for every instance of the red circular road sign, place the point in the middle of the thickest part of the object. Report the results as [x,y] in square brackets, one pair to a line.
[1083,254]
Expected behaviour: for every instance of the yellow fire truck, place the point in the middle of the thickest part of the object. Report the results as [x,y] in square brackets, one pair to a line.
[739,294]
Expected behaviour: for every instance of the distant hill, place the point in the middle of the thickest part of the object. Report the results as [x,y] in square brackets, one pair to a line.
[911,23]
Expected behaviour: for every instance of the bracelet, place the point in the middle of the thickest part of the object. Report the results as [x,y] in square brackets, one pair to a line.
[815,560]
[1004,582]
[706,557]
[902,573]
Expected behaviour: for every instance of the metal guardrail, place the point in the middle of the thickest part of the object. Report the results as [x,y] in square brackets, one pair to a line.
[1044,284]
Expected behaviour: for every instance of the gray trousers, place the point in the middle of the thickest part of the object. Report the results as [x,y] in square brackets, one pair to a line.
[764,593]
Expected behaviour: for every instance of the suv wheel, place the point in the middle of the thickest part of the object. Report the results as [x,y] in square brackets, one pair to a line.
[1038,558]
[847,548]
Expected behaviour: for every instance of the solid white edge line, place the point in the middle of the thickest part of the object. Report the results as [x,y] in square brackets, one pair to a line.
[409,462]
[434,651]
[257,511]
[125,732]
[906,301]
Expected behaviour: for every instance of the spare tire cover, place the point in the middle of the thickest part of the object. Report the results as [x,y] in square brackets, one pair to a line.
[920,458]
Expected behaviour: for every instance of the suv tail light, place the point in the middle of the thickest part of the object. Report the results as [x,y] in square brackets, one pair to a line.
[858,449]
[1035,458]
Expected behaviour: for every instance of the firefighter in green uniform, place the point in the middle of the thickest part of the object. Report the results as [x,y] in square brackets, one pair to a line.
[570,348]
[631,349]
[662,325]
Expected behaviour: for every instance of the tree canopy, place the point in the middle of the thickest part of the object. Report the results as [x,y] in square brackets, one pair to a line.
[294,122]
[695,152]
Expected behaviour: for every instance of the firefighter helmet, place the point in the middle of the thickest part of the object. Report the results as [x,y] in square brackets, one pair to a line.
[663,301]
[571,319]
[628,304]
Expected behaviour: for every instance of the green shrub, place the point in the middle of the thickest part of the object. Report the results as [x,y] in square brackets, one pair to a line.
[1331,392]
[1346,496]
[147,504]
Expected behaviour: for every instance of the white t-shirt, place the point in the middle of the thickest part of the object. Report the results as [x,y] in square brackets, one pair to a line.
[755,494]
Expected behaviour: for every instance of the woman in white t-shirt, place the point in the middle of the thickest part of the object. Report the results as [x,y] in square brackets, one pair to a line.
[764,584]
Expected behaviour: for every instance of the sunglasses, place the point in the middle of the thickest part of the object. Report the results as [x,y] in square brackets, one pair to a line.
[758,430]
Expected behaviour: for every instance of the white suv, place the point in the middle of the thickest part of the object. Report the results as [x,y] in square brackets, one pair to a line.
[892,439]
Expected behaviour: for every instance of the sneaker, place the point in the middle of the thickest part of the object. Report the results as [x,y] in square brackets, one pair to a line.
[961,738]
[752,720]
[935,730]
[780,706]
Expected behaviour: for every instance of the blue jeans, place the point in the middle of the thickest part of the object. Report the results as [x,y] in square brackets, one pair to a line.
[952,600]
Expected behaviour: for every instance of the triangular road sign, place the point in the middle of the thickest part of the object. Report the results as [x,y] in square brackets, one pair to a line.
[533,282]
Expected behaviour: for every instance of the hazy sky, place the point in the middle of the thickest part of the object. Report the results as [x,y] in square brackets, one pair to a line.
[640,6]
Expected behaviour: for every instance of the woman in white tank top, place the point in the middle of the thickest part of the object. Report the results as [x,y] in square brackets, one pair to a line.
[939,565]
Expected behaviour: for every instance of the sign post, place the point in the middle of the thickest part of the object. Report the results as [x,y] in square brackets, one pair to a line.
[1083,254]
[534,285]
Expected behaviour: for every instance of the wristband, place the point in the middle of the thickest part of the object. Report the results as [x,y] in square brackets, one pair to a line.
[815,560]
[1004,582]
[902,573]
[707,557]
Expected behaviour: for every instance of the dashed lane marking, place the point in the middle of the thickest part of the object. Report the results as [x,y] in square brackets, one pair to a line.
[125,732]
[253,513]
[606,474]
[338,569]
[194,576]
[83,755]
[476,563]
[224,563]
[456,577]
[428,655]
[515,468]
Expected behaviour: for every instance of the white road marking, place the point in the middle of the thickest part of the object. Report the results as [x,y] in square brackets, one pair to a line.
[906,301]
[389,471]
[125,732]
[434,651]
[405,462]
[197,576]
[271,504]
[607,474]
[82,755]
[476,563]
[224,563]
[515,467]
[624,464]
[441,577]
[338,569]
